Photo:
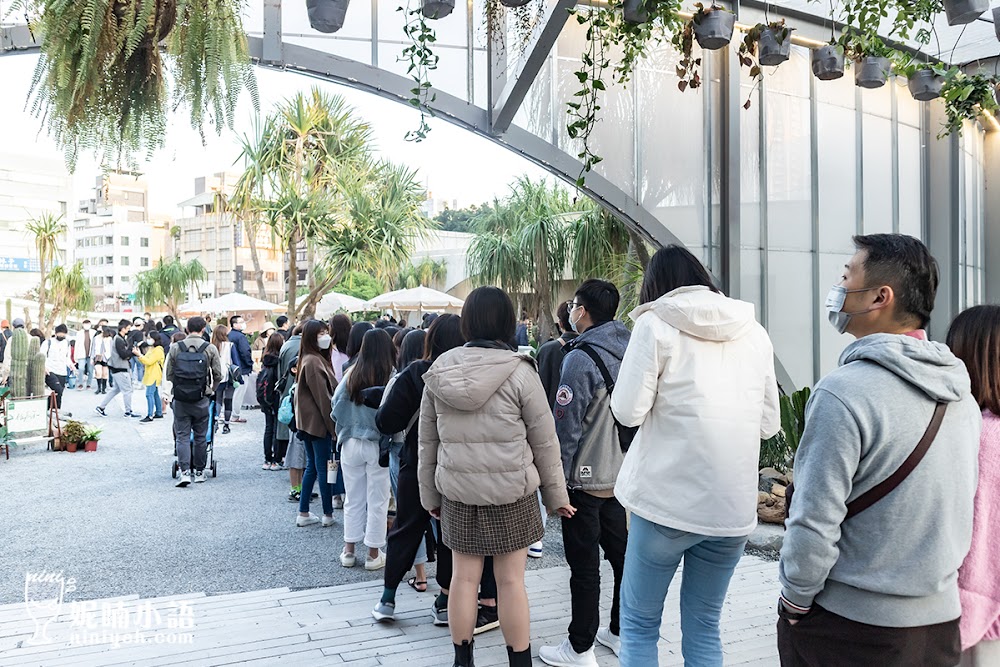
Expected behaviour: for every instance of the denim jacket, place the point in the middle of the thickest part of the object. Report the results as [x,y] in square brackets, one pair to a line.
[353,420]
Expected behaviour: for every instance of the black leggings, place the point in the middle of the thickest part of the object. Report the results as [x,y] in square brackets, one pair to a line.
[224,397]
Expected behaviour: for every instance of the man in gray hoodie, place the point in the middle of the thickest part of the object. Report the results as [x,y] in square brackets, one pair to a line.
[591,456]
[879,587]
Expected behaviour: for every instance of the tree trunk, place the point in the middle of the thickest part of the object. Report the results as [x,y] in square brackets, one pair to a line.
[310,266]
[293,269]
[258,273]
[544,292]
[641,252]
[308,307]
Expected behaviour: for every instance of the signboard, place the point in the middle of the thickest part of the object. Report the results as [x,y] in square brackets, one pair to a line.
[27,415]
[18,265]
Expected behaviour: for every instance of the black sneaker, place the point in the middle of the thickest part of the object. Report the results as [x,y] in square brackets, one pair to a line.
[225,429]
[488,619]
[101,411]
[294,497]
[157,416]
[145,420]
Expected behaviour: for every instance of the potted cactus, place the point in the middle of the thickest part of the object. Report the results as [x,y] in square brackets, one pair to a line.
[18,351]
[73,435]
[90,438]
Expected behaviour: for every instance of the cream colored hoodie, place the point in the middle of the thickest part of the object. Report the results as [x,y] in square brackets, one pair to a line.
[698,379]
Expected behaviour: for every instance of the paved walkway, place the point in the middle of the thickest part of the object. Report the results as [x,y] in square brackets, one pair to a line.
[332,626]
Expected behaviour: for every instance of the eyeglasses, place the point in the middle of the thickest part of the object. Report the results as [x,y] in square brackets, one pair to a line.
[572,304]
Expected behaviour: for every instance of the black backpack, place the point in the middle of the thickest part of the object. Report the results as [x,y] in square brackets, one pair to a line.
[190,373]
[266,385]
[626,434]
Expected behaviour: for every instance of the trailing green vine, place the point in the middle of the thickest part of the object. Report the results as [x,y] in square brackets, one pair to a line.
[525,19]
[966,97]
[749,51]
[422,62]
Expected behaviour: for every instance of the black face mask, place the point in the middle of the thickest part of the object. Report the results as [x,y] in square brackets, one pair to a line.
[60,337]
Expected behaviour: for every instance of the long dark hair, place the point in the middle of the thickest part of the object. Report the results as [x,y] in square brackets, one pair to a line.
[375,364]
[411,348]
[274,343]
[974,337]
[357,334]
[671,268]
[445,333]
[309,345]
[340,329]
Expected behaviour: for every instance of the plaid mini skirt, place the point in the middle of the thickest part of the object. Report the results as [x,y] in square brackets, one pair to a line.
[491,530]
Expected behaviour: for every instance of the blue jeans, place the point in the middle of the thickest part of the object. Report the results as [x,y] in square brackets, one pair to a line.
[318,452]
[85,369]
[138,370]
[154,406]
[652,557]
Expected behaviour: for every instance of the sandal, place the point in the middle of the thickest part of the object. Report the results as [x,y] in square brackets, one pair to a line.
[415,585]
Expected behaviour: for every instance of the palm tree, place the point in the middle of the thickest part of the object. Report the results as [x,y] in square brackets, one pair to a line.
[168,283]
[70,291]
[429,272]
[47,229]
[292,167]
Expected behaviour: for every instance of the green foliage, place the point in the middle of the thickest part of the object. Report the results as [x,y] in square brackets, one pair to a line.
[966,98]
[70,291]
[462,219]
[19,350]
[169,283]
[91,433]
[429,273]
[423,61]
[689,67]
[101,81]
[47,229]
[778,452]
[74,431]
[360,285]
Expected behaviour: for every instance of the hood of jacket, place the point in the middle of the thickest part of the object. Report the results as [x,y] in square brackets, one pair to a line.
[270,360]
[610,336]
[702,313]
[466,377]
[928,366]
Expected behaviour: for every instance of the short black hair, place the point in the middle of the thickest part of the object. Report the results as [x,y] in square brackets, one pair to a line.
[123,324]
[168,320]
[671,268]
[445,333]
[61,328]
[488,314]
[87,321]
[232,320]
[196,324]
[281,321]
[907,266]
[562,314]
[600,298]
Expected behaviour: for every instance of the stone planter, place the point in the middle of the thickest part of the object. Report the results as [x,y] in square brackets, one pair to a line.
[871,71]
[327,15]
[771,49]
[634,11]
[90,446]
[925,85]
[714,29]
[437,9]
[828,62]
[960,12]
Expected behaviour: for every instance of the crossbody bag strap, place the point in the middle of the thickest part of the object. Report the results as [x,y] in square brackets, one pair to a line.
[609,383]
[884,488]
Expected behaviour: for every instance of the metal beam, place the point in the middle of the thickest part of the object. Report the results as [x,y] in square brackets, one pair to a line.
[538,51]
[17,38]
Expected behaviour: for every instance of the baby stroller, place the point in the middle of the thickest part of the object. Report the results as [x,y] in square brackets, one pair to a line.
[210,442]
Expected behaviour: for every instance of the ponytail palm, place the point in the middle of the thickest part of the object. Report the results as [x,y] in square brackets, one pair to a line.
[169,283]
[70,291]
[46,228]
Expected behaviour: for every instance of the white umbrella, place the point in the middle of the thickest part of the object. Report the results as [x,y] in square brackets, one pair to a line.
[232,303]
[335,301]
[417,298]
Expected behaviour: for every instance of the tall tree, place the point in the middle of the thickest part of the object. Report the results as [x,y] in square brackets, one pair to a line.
[46,228]
[169,283]
[70,292]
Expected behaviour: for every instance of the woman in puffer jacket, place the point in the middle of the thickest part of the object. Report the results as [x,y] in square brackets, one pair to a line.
[487,443]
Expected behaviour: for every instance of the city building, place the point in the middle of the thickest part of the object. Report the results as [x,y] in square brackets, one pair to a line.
[210,234]
[29,187]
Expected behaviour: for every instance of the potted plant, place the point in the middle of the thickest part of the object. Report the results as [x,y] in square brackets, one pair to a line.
[872,60]
[634,11]
[91,437]
[774,42]
[437,9]
[966,97]
[924,80]
[73,434]
[960,12]
[713,26]
[327,15]
[514,3]
[828,62]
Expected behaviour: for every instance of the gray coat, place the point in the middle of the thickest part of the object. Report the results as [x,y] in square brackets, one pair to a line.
[289,352]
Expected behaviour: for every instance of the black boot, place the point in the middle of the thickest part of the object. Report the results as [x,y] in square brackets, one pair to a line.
[463,655]
[519,658]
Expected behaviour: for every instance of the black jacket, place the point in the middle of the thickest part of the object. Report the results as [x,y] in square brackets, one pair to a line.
[402,403]
[550,358]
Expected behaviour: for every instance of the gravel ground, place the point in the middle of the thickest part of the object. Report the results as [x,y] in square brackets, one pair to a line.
[114,520]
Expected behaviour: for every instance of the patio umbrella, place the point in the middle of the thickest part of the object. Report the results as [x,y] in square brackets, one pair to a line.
[233,303]
[416,298]
[335,301]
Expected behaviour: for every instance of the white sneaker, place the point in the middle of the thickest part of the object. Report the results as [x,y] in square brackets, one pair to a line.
[301,521]
[200,476]
[347,560]
[376,563]
[535,550]
[612,641]
[184,480]
[564,656]
[327,521]
[338,502]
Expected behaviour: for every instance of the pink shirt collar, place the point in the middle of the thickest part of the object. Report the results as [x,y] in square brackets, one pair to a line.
[919,334]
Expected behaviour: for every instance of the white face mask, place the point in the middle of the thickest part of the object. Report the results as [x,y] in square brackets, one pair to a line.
[324,342]
[835,304]
[573,324]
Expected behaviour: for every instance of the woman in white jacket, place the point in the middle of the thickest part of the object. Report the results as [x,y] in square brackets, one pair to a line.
[698,380]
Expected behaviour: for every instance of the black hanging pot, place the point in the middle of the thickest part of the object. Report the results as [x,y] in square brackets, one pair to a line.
[828,62]
[960,12]
[327,15]
[437,9]
[925,85]
[634,11]
[513,3]
[714,29]
[871,71]
[774,46]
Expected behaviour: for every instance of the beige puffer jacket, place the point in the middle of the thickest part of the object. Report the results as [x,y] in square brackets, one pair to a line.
[487,436]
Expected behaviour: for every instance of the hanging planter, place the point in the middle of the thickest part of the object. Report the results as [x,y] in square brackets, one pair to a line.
[634,11]
[713,27]
[996,22]
[327,15]
[774,45]
[437,9]
[828,62]
[513,3]
[967,98]
[871,71]
[925,85]
[960,12]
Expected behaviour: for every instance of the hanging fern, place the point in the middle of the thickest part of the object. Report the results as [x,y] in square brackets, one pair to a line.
[101,83]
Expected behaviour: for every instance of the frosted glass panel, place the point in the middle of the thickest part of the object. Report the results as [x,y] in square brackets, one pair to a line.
[837,162]
[910,190]
[790,314]
[878,174]
[789,181]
